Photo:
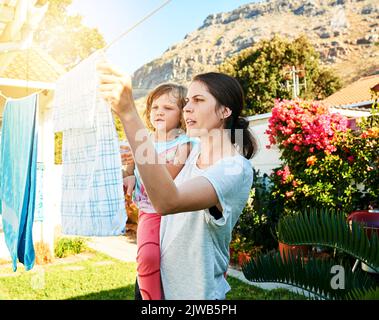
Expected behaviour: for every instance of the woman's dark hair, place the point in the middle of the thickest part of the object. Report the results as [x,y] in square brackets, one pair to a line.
[228,92]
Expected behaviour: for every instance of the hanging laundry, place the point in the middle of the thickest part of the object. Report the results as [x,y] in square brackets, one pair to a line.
[39,214]
[75,96]
[18,158]
[92,201]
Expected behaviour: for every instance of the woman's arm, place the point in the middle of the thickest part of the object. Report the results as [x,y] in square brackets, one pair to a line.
[166,198]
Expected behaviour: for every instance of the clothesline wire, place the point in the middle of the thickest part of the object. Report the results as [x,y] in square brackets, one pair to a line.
[103,49]
[137,24]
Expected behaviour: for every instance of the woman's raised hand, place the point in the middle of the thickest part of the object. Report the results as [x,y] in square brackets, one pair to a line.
[116,89]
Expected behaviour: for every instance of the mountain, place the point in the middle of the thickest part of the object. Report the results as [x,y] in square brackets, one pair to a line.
[345,33]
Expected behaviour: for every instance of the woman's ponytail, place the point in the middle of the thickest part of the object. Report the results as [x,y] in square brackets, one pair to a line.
[241,135]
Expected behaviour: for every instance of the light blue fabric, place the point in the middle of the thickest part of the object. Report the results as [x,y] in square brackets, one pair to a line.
[39,210]
[93,202]
[18,159]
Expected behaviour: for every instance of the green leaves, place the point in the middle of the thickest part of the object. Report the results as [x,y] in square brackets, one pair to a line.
[312,275]
[319,228]
[65,37]
[330,229]
[259,69]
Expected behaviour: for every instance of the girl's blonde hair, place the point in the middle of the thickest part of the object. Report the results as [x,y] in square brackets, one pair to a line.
[178,91]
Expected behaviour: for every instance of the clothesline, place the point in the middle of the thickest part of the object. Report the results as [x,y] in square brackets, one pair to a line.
[137,24]
[132,28]
[110,44]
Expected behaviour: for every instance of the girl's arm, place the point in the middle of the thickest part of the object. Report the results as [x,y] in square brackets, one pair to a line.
[177,164]
[129,171]
[166,197]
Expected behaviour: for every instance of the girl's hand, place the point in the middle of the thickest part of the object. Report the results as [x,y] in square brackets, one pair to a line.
[116,89]
[126,156]
[129,183]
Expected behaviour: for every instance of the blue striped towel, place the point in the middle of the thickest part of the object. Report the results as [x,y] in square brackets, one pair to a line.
[18,158]
[92,188]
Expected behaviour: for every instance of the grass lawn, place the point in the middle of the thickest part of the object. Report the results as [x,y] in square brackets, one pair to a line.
[95,276]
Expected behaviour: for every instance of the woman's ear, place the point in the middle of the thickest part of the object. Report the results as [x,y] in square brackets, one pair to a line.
[226,112]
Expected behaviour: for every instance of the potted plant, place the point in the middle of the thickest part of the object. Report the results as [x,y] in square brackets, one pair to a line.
[322,228]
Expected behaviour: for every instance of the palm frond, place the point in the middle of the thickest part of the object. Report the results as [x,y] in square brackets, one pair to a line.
[330,229]
[371,294]
[314,276]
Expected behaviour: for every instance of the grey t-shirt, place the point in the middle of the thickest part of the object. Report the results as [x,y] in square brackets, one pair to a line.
[194,245]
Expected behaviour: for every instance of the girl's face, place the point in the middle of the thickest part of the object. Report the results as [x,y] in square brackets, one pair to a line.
[201,113]
[165,113]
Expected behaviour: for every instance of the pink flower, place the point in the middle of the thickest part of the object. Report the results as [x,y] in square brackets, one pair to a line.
[285,174]
[296,123]
[289,194]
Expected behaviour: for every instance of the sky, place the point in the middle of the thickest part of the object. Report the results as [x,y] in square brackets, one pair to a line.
[152,38]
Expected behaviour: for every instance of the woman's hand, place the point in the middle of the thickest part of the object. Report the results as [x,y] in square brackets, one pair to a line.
[116,89]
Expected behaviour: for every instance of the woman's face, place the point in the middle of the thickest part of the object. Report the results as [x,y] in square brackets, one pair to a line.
[200,112]
[165,113]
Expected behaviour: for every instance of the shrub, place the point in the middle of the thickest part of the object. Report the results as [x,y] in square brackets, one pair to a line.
[43,253]
[262,71]
[69,246]
[254,231]
[325,164]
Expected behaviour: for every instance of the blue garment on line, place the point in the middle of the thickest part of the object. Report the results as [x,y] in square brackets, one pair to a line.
[18,159]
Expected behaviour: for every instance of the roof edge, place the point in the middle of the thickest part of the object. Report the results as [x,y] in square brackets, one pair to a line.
[354,105]
[258,116]
[26,84]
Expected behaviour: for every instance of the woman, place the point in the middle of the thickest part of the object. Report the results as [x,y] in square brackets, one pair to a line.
[202,205]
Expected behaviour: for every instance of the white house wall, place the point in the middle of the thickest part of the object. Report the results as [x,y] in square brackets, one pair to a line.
[265,159]
[51,177]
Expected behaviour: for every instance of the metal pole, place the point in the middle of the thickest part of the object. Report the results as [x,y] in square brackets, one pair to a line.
[294,90]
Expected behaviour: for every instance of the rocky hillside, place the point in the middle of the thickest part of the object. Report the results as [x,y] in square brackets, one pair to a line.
[345,33]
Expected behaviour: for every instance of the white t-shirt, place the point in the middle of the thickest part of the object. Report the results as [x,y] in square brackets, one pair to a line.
[194,245]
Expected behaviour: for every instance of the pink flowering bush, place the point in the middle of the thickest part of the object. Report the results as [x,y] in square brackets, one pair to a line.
[324,162]
[300,126]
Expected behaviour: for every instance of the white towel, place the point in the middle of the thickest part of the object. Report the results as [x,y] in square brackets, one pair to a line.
[76,95]
[92,190]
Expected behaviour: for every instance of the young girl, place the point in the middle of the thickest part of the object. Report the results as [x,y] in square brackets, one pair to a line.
[163,117]
[203,204]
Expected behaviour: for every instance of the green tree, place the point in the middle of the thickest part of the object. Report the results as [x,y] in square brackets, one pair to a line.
[261,70]
[65,37]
